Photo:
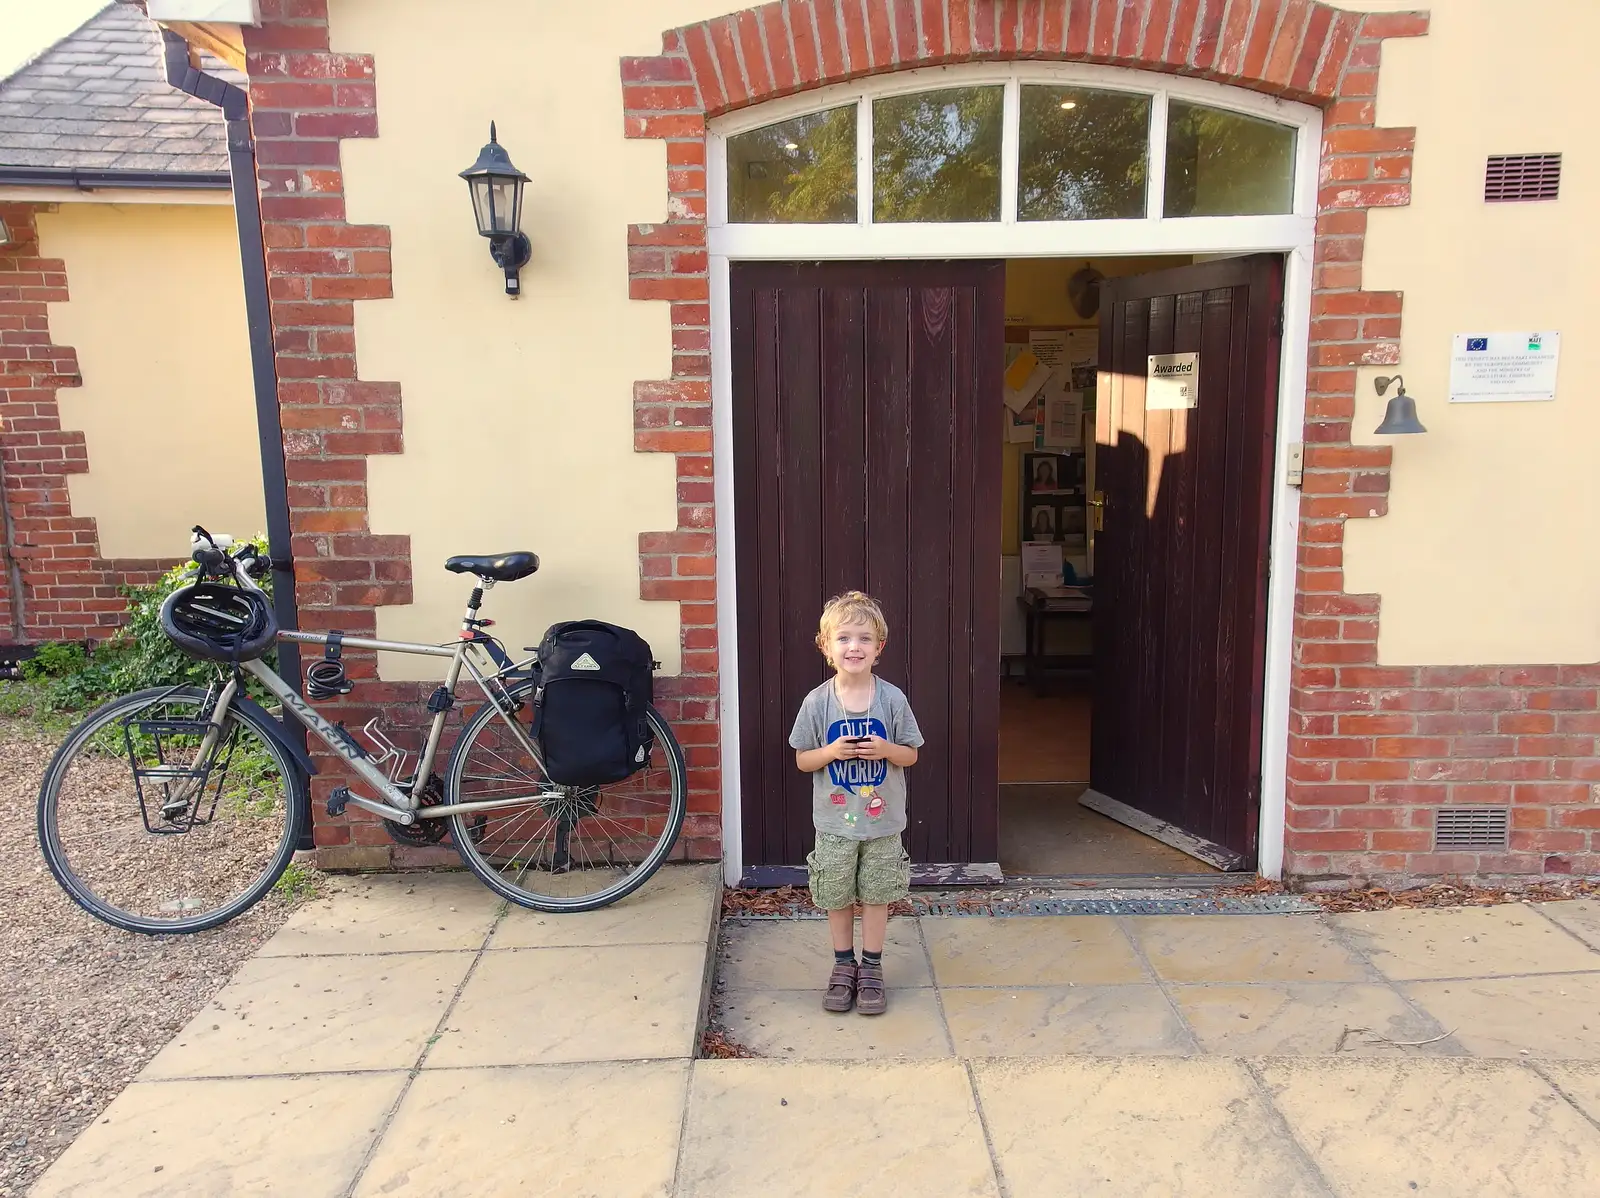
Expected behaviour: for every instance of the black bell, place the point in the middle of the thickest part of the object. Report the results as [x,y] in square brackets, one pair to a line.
[1401,415]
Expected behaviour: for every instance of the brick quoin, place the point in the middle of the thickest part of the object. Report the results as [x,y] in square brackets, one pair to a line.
[69,592]
[1361,793]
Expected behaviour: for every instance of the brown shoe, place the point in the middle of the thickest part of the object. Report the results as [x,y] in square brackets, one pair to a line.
[841,995]
[870,998]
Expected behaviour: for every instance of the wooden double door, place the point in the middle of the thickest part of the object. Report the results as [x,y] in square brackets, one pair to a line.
[867,441]
[867,451]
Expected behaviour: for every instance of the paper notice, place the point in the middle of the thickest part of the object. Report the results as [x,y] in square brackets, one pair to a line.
[1049,346]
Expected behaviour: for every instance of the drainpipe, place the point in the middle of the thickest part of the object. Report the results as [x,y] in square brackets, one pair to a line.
[186,77]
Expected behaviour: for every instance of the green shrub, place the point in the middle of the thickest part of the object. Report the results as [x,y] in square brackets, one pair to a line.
[64,678]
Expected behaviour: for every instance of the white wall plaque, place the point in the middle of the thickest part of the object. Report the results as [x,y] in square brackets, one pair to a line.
[1504,367]
[1173,382]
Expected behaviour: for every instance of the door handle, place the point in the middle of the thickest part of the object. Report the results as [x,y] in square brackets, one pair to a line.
[1098,502]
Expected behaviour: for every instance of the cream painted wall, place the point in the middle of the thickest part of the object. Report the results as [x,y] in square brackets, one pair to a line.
[167,407]
[518,415]
[1488,553]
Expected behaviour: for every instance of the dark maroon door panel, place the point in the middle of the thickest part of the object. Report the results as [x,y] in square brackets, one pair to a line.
[867,454]
[1181,563]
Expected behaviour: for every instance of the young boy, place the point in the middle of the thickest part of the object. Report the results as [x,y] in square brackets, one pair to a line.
[855,735]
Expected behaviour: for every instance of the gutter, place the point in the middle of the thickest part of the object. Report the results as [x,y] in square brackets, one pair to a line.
[90,180]
[235,105]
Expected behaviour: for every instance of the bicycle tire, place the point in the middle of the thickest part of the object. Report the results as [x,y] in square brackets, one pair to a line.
[57,857]
[462,833]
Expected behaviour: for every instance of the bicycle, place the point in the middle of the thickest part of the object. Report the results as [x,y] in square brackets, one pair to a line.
[176,809]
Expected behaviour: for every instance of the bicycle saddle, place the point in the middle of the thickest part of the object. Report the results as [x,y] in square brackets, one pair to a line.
[502,567]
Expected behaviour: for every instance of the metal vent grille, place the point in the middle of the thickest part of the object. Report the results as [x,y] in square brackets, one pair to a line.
[1471,828]
[1513,177]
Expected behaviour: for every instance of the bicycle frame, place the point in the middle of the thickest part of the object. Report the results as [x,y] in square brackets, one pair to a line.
[396,804]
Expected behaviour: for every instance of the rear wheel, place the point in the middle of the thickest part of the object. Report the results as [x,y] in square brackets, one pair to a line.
[148,830]
[565,848]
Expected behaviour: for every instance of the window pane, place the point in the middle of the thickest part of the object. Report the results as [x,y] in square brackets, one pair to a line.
[798,171]
[1082,154]
[1225,164]
[936,155]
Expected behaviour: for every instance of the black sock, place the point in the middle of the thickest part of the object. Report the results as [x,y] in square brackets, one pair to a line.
[845,956]
[871,958]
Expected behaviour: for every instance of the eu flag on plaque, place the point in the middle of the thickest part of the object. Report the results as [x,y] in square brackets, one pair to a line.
[1477,343]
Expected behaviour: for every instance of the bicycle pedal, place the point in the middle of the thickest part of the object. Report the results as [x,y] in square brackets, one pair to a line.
[338,800]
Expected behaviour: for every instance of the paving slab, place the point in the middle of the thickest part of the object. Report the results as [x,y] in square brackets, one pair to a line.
[316,1014]
[1451,1128]
[1042,950]
[548,1005]
[796,954]
[676,906]
[1465,942]
[792,1024]
[1061,1020]
[1555,1016]
[816,1128]
[580,1131]
[304,1136]
[1200,1128]
[1578,1081]
[1245,948]
[1580,917]
[1308,1019]
[385,913]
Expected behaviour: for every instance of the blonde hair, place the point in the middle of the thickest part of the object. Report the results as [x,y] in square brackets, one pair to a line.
[852,607]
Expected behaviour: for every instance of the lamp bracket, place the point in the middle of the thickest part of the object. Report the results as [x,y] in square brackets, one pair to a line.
[511,252]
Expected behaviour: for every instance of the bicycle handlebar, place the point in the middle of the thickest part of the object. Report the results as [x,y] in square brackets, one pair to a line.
[210,553]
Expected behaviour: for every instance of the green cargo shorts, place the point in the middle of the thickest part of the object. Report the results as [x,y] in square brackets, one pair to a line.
[876,872]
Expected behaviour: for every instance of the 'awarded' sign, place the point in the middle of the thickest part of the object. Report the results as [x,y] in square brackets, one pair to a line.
[1173,382]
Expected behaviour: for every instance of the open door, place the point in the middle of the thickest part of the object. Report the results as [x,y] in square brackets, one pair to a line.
[867,456]
[1183,469]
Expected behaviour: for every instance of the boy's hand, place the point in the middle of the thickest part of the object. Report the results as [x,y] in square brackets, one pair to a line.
[872,748]
[844,749]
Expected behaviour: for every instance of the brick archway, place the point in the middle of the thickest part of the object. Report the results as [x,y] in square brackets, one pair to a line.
[1295,49]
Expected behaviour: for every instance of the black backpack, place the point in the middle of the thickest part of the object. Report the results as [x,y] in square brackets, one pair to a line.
[589,711]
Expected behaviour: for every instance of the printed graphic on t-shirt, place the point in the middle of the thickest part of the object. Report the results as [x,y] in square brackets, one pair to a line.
[857,775]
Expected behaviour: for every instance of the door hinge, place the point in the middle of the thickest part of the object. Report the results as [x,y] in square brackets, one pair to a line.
[1277,319]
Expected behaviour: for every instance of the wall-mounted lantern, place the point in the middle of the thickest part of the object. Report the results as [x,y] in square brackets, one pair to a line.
[1401,415]
[496,188]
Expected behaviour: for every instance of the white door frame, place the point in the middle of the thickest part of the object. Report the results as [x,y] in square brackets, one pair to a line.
[1292,235]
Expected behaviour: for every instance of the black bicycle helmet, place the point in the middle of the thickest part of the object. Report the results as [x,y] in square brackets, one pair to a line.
[218,622]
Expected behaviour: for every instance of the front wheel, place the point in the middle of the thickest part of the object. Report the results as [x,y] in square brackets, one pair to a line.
[567,848]
[156,820]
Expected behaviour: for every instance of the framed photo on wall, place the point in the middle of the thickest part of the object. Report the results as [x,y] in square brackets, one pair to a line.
[1052,504]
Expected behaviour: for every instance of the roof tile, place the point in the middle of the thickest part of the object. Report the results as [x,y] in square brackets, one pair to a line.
[99,100]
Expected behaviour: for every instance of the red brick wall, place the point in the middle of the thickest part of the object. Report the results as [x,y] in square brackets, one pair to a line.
[1373,750]
[70,593]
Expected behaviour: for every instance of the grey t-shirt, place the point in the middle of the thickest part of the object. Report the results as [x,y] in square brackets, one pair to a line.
[858,799]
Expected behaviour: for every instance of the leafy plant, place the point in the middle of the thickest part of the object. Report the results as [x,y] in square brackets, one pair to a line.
[298,883]
[66,678]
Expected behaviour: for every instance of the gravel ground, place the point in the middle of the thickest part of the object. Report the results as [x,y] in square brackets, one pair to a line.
[83,1006]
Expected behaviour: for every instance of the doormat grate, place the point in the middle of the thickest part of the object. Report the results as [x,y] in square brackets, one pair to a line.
[1102,903]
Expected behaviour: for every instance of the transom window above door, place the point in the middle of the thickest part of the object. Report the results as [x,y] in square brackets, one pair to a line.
[1013,145]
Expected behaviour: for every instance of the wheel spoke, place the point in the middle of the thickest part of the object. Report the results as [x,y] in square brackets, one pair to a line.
[613,836]
[230,833]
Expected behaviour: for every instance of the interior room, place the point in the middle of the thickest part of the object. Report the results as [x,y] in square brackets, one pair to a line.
[1047,564]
